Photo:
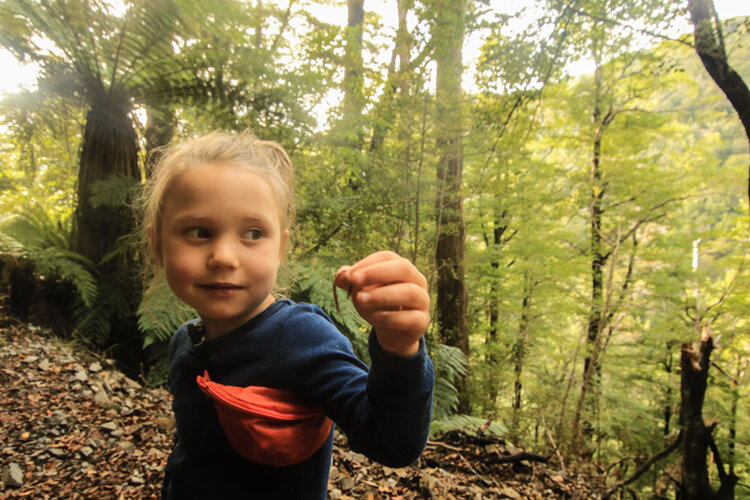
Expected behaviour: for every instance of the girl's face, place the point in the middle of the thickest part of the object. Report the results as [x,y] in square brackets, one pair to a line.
[221,243]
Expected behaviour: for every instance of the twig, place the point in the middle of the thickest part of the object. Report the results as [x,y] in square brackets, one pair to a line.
[554,445]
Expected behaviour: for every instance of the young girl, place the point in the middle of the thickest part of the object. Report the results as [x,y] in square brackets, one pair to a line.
[258,380]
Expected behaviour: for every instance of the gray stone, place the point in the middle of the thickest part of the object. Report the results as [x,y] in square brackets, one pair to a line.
[109,426]
[13,475]
[137,480]
[95,367]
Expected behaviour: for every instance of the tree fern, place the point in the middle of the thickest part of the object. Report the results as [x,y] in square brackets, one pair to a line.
[35,239]
[160,314]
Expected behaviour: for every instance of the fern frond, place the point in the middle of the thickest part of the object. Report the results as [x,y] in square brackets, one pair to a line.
[450,364]
[35,238]
[68,266]
[466,423]
[93,323]
[160,314]
[112,192]
[314,284]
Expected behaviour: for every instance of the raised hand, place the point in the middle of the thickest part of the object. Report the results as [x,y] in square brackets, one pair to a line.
[390,293]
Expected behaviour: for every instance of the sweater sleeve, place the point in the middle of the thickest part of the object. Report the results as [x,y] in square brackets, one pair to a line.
[385,410]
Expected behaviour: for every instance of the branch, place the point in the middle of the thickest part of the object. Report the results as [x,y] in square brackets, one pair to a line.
[651,461]
[615,22]
[515,458]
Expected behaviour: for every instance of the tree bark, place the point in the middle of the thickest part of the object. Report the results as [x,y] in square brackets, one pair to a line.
[354,100]
[519,349]
[449,255]
[709,45]
[160,128]
[581,427]
[697,436]
[109,148]
[694,365]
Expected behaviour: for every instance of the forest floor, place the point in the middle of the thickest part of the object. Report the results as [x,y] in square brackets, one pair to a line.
[74,427]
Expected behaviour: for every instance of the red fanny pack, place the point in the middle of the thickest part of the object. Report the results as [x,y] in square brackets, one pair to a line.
[268,426]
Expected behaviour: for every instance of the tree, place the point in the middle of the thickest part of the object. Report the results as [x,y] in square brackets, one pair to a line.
[709,45]
[448,33]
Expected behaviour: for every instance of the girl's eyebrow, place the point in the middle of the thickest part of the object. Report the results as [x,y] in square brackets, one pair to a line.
[198,219]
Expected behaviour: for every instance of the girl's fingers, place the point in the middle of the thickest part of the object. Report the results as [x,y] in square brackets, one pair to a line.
[341,279]
[411,321]
[385,272]
[396,296]
[375,258]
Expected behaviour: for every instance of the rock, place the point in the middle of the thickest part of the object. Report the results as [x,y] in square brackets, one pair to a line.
[81,375]
[56,452]
[334,475]
[126,445]
[101,397]
[95,367]
[347,483]
[109,426]
[13,475]
[31,359]
[86,451]
[510,493]
[44,365]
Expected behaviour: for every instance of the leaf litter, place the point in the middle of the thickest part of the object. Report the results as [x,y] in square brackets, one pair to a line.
[75,427]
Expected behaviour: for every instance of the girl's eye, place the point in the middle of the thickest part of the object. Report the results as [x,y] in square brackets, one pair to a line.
[254,234]
[199,233]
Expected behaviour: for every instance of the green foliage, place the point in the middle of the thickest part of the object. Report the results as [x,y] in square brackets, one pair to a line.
[113,192]
[673,164]
[450,365]
[466,423]
[160,313]
[35,239]
[313,283]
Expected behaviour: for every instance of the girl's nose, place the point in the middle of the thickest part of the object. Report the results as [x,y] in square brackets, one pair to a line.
[222,255]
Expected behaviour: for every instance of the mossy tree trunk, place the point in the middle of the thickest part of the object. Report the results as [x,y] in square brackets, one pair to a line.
[449,255]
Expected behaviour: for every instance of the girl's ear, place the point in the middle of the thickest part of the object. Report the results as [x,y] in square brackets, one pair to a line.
[282,247]
[153,244]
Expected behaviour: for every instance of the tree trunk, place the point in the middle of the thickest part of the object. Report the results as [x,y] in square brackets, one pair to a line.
[109,148]
[449,255]
[519,349]
[161,123]
[398,83]
[697,437]
[668,398]
[709,45]
[499,226]
[354,99]
[582,427]
[694,366]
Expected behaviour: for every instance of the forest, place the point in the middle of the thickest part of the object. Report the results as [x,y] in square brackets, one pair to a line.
[571,178]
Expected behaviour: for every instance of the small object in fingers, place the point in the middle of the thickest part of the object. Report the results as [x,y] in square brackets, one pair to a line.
[335,293]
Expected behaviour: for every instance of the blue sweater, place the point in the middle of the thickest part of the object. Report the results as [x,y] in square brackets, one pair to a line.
[385,411]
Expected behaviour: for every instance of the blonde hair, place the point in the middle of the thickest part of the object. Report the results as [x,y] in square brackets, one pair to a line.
[243,150]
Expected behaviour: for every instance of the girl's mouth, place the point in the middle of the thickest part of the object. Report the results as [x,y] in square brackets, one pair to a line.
[221,288]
